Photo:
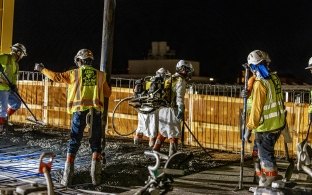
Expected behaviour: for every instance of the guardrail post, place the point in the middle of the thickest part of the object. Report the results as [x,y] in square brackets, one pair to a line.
[45,100]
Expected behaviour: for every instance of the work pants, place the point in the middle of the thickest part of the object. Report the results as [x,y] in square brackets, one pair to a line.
[78,125]
[8,99]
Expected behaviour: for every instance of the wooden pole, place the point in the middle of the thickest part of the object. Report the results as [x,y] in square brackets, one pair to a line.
[107,53]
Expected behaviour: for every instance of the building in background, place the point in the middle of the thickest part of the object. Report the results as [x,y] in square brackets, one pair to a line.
[160,55]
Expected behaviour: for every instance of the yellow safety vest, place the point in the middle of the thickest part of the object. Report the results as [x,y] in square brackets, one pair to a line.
[11,68]
[273,113]
[87,89]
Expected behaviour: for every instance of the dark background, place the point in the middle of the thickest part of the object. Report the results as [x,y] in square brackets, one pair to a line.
[217,33]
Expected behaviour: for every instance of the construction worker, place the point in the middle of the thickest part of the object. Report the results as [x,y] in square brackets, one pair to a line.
[9,102]
[87,88]
[267,114]
[170,118]
[309,67]
[148,122]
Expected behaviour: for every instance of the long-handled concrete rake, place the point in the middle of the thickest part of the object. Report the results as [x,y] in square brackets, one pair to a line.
[240,184]
[31,118]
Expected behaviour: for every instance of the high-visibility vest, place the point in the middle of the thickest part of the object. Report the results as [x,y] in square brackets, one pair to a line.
[273,113]
[87,89]
[11,68]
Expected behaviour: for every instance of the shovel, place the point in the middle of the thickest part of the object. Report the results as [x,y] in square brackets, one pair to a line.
[32,118]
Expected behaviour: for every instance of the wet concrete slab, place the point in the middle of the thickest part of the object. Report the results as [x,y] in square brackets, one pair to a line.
[219,180]
[225,180]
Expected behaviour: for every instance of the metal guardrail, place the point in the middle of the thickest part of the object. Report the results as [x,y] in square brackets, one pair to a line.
[292,93]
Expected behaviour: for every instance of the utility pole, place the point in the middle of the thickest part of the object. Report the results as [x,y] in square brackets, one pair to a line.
[107,53]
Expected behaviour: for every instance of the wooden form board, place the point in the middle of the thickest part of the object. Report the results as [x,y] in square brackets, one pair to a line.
[214,120]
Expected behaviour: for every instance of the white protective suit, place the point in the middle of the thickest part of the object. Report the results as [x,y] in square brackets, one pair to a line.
[169,125]
[147,124]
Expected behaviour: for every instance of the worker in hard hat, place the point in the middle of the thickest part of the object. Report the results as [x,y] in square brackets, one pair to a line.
[267,114]
[148,121]
[170,118]
[9,65]
[87,88]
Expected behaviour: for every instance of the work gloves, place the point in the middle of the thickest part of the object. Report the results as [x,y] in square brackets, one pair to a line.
[180,114]
[247,135]
[39,67]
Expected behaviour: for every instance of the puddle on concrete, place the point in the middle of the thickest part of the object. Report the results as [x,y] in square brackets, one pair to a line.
[126,164]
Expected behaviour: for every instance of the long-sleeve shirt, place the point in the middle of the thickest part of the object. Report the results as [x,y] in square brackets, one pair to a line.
[259,97]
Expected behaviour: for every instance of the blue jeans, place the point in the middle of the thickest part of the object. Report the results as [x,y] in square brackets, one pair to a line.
[265,143]
[78,125]
[8,98]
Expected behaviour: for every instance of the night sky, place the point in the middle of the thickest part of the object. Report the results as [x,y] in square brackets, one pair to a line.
[217,33]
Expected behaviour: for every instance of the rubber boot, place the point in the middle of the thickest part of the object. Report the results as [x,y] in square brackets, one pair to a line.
[173,148]
[270,176]
[159,141]
[138,138]
[10,112]
[68,170]
[151,141]
[2,125]
[96,168]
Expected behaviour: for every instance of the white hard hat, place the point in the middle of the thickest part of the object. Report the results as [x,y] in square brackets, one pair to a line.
[310,64]
[186,64]
[185,69]
[84,54]
[18,47]
[257,56]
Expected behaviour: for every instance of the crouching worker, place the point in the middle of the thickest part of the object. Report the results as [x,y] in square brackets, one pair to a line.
[267,114]
[87,88]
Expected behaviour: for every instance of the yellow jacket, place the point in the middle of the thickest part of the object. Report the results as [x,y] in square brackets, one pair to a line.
[87,87]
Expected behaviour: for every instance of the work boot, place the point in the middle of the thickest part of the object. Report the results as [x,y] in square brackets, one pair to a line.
[159,140]
[138,138]
[68,170]
[10,112]
[96,168]
[173,148]
[269,175]
[151,141]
